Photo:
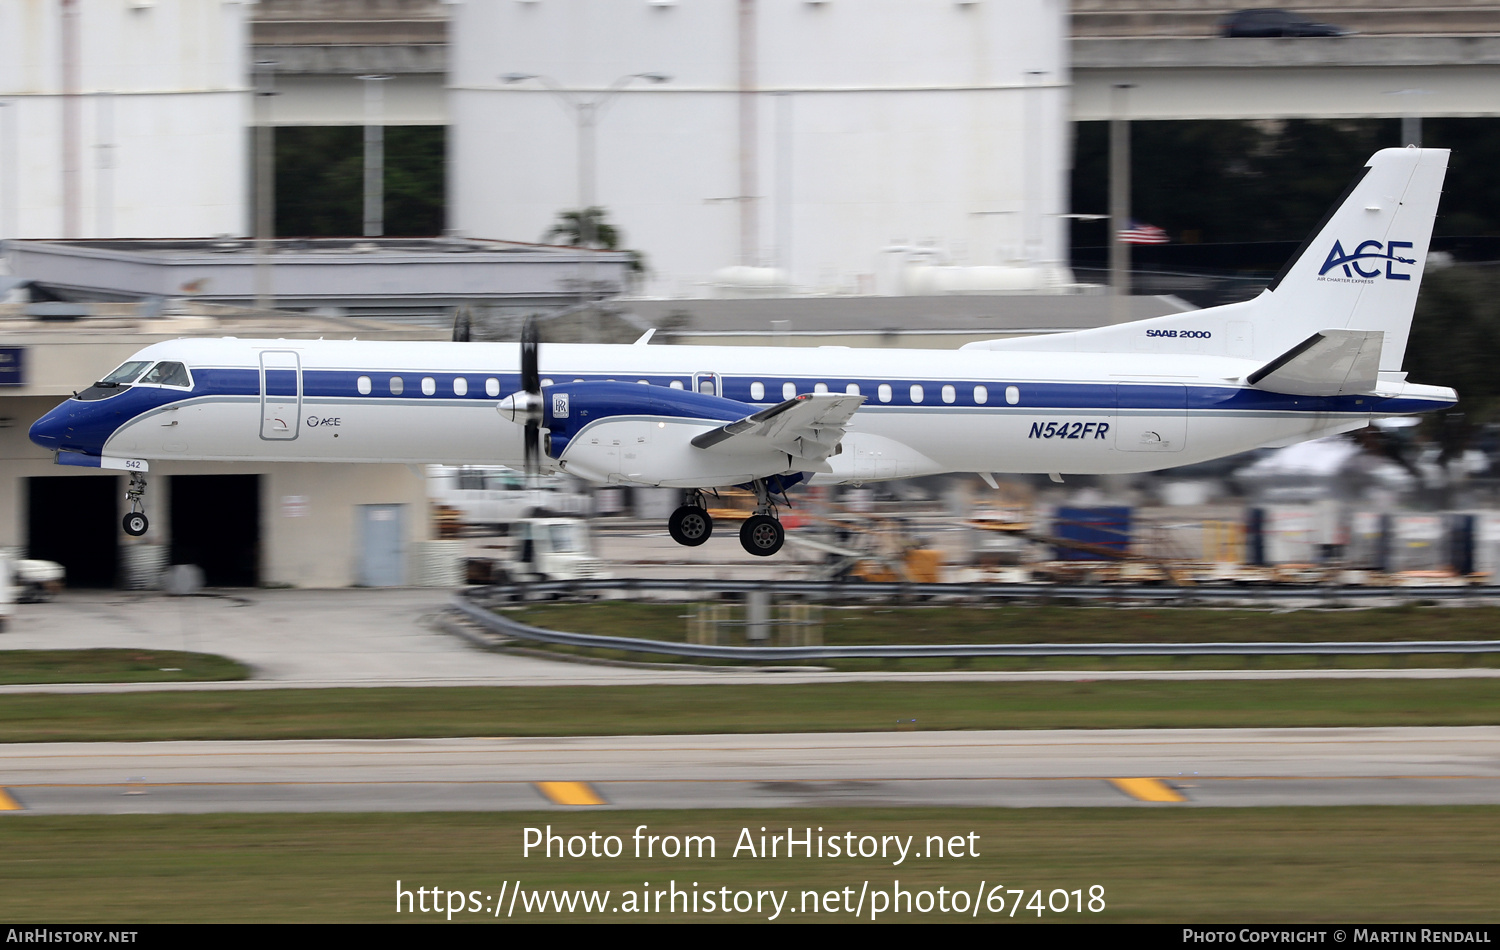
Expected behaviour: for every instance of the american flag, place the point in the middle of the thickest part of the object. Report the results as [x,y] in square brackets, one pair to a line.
[1139,233]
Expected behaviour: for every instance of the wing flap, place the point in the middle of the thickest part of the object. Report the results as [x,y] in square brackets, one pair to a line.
[807,427]
[1328,363]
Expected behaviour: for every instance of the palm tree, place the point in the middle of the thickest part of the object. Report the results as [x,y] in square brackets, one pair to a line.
[588,228]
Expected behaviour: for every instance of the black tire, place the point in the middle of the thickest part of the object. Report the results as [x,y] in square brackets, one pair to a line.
[690,525]
[762,535]
[135,524]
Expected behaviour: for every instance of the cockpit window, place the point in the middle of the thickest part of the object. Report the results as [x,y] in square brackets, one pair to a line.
[127,373]
[168,374]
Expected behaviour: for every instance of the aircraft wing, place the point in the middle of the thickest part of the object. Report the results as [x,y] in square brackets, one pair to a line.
[807,427]
[1328,363]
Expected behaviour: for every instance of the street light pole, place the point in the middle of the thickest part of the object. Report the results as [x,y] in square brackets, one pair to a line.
[586,113]
[1119,204]
[374,154]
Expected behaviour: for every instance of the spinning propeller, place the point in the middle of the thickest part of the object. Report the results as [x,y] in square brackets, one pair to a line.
[526,406]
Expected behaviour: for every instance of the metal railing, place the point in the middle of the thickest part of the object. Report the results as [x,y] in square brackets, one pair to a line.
[478,605]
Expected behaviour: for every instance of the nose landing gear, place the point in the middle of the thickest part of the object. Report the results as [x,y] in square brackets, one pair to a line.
[135,522]
[691,524]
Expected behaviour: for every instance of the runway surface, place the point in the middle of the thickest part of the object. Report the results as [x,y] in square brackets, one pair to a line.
[1147,768]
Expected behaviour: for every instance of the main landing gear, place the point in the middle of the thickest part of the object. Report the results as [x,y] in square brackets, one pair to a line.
[135,523]
[760,535]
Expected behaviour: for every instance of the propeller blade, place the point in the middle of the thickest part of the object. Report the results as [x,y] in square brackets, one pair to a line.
[461,325]
[531,377]
[531,383]
[533,449]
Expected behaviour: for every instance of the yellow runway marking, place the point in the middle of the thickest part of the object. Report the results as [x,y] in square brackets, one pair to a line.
[7,803]
[570,793]
[1148,789]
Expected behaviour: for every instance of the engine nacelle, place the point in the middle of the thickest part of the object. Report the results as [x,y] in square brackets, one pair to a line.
[627,433]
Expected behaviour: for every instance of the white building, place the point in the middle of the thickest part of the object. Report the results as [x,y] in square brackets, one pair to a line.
[806,136]
[123,118]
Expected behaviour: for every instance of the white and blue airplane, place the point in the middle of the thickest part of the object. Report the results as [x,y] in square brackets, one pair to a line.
[1318,352]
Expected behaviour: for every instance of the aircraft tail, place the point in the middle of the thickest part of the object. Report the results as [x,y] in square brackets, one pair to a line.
[1359,271]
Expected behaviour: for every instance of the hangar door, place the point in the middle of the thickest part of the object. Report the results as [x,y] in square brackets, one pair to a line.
[75,521]
[215,524]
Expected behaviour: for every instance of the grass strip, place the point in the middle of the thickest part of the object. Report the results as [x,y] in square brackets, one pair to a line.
[379,713]
[1231,865]
[116,666]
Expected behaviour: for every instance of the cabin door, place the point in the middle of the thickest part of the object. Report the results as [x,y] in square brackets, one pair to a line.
[280,394]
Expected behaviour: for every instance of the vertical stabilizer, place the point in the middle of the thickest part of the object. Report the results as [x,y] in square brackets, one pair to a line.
[1362,268]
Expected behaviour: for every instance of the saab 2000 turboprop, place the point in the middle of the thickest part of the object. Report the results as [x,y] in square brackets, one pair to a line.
[1318,352]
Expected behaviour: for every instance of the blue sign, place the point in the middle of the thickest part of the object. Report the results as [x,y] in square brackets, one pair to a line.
[12,366]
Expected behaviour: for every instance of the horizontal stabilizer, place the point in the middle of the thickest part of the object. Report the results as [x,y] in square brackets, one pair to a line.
[1328,363]
[807,427]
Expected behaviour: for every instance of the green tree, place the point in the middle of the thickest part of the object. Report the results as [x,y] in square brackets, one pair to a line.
[589,227]
[1455,337]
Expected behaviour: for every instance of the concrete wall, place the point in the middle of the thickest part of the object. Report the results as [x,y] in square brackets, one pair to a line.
[161,104]
[876,123]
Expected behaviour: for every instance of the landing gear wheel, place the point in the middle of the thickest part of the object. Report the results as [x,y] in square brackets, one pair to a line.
[136,524]
[762,535]
[690,525]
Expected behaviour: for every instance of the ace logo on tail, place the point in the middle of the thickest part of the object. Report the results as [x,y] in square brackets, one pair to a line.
[1367,250]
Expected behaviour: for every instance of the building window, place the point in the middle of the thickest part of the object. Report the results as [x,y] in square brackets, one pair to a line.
[397,386]
[981,395]
[460,386]
[885,392]
[949,394]
[757,391]
[916,393]
[363,385]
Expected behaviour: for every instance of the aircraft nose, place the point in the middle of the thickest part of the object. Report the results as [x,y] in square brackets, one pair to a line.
[51,429]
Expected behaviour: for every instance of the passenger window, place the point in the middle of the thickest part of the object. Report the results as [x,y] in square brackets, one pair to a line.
[949,394]
[429,386]
[757,391]
[546,382]
[821,388]
[644,382]
[852,389]
[788,390]
[676,384]
[884,392]
[706,386]
[398,386]
[460,386]
[363,385]
[981,395]
[1012,395]
[916,393]
[492,387]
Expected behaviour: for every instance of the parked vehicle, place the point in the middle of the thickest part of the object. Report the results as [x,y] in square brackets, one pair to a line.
[497,497]
[1273,22]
